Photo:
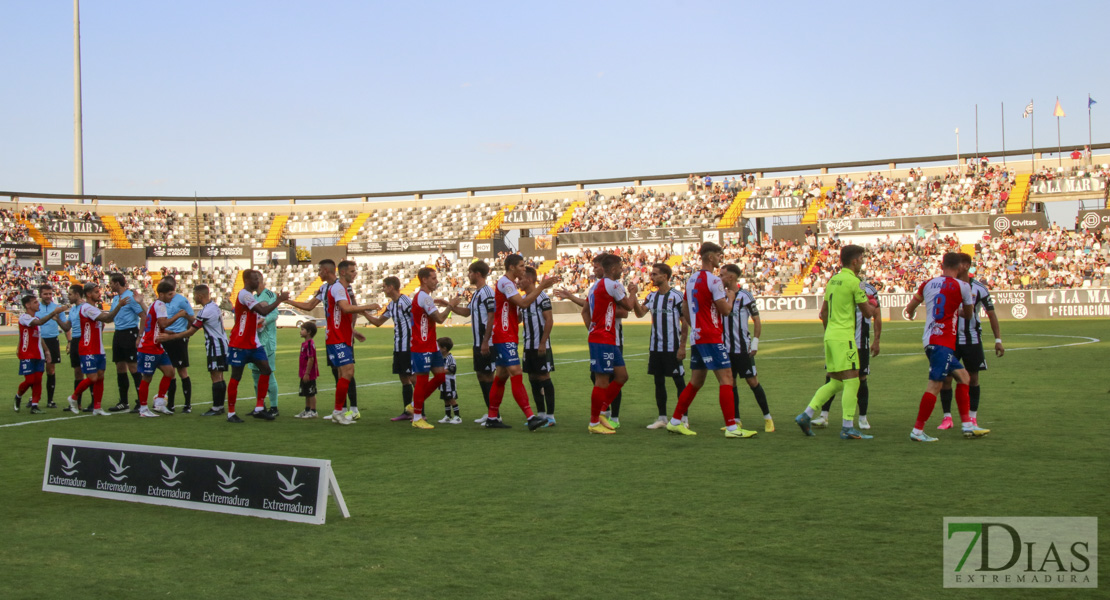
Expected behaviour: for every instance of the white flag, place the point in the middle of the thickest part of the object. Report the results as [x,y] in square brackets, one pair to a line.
[1028,110]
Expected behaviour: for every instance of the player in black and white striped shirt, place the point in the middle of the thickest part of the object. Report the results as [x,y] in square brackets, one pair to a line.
[480,310]
[209,319]
[670,328]
[539,362]
[743,344]
[399,310]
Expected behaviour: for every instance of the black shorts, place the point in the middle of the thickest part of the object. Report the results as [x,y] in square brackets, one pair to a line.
[743,365]
[402,362]
[74,353]
[972,357]
[51,344]
[664,363]
[216,363]
[537,363]
[308,388]
[448,395]
[484,364]
[178,351]
[124,348]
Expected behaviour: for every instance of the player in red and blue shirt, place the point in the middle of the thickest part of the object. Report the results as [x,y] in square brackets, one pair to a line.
[505,337]
[426,357]
[151,356]
[31,353]
[245,347]
[606,302]
[707,304]
[91,322]
[945,298]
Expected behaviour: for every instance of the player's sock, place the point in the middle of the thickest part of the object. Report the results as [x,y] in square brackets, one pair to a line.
[123,382]
[447,408]
[187,390]
[761,399]
[597,400]
[928,401]
[455,407]
[164,386]
[735,400]
[98,392]
[434,383]
[352,393]
[76,384]
[36,389]
[144,392]
[341,393]
[661,393]
[963,403]
[848,399]
[862,397]
[946,401]
[406,395]
[496,394]
[50,381]
[684,400]
[263,389]
[537,395]
[974,392]
[549,396]
[418,382]
[25,384]
[136,379]
[520,395]
[83,385]
[171,395]
[727,393]
[232,392]
[823,394]
[219,393]
[486,386]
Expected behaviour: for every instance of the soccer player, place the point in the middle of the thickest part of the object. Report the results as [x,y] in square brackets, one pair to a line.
[480,310]
[708,302]
[245,346]
[125,340]
[426,357]
[743,345]
[152,354]
[539,361]
[31,353]
[178,349]
[670,329]
[600,315]
[844,294]
[210,319]
[76,296]
[267,334]
[505,337]
[969,345]
[867,350]
[944,297]
[91,320]
[399,310]
[49,332]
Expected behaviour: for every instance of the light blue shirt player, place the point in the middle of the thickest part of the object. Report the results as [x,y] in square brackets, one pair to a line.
[128,316]
[49,329]
[179,302]
[75,323]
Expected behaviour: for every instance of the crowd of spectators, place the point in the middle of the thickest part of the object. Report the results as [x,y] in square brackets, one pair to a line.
[645,208]
[877,195]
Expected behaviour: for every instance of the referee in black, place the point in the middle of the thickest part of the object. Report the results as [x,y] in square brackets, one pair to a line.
[480,310]
[125,340]
[670,328]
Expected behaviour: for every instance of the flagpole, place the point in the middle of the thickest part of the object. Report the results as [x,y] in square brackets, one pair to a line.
[1004,134]
[1032,142]
[976,133]
[1059,158]
[1088,124]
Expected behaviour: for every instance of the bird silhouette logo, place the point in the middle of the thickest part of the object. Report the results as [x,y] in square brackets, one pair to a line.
[69,463]
[287,490]
[118,468]
[227,479]
[171,473]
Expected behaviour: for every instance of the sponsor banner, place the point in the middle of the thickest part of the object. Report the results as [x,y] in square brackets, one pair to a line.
[530,216]
[1094,219]
[78,227]
[483,248]
[1020,552]
[322,228]
[1026,304]
[260,256]
[1069,185]
[711,235]
[198,251]
[21,250]
[224,251]
[898,224]
[56,258]
[774,203]
[775,304]
[655,235]
[1019,221]
[466,249]
[443,245]
[257,485]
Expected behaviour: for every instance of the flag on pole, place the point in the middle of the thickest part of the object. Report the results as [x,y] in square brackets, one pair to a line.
[1090,101]
[1028,111]
[1059,112]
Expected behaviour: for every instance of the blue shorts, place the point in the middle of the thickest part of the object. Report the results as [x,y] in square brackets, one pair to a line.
[424,362]
[709,357]
[92,363]
[31,365]
[507,354]
[605,358]
[340,354]
[942,361]
[241,356]
[149,363]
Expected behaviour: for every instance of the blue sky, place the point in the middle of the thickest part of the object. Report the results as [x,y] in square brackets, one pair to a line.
[266,98]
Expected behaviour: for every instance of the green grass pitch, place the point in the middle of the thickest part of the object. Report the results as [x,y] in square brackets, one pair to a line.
[463,512]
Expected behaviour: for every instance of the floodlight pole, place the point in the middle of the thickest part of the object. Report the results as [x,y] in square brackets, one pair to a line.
[78,152]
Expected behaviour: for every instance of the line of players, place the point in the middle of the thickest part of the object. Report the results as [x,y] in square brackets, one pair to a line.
[718,310]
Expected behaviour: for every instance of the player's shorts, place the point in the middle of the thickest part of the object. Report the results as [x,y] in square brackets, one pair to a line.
[55,351]
[242,356]
[149,363]
[402,362]
[424,362]
[605,358]
[538,363]
[664,363]
[484,363]
[75,353]
[216,362]
[448,395]
[743,365]
[178,352]
[125,345]
[942,361]
[972,357]
[709,357]
[92,363]
[31,365]
[841,355]
[308,388]
[507,354]
[340,355]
